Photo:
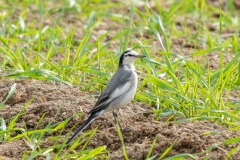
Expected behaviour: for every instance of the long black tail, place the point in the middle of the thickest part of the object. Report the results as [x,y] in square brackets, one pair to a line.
[90,119]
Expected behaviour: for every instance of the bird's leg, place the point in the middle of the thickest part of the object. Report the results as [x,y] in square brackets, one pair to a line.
[115,115]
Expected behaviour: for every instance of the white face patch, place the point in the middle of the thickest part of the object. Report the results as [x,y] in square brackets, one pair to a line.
[130,57]
[131,53]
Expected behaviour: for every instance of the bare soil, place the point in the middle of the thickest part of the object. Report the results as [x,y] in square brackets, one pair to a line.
[189,137]
[65,101]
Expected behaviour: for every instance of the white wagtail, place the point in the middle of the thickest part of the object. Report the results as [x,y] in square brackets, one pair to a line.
[119,91]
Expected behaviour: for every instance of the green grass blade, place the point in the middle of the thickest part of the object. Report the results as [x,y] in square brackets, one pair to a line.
[10,93]
[181,156]
[167,151]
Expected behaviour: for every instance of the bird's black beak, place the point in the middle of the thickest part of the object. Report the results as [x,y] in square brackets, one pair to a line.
[141,56]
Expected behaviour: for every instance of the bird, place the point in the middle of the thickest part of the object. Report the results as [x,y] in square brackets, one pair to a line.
[119,91]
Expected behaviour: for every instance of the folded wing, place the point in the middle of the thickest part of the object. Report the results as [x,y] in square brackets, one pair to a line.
[117,86]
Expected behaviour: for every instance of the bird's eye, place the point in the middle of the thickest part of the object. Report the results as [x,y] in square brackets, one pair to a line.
[129,55]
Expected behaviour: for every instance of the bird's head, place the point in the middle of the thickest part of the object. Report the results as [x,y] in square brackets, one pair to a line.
[128,57]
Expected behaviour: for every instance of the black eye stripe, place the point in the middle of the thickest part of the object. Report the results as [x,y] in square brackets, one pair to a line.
[130,55]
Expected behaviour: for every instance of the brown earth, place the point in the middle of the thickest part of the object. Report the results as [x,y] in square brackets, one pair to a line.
[189,137]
